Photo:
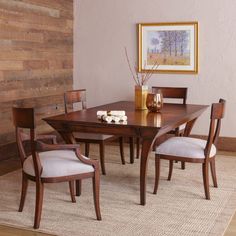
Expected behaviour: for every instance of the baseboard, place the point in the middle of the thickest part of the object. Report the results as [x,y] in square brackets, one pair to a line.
[8,151]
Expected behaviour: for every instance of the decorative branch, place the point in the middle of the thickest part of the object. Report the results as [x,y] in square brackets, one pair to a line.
[140,78]
[132,73]
[149,74]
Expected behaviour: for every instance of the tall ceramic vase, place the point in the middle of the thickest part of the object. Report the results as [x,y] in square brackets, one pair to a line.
[140,97]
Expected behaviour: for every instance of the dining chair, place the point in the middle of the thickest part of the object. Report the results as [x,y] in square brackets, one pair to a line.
[193,150]
[170,94]
[50,163]
[174,94]
[177,95]
[73,98]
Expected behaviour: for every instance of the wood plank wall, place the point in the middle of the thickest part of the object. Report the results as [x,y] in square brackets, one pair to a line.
[36,59]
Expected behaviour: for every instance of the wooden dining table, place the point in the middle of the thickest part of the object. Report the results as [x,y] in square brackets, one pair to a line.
[142,124]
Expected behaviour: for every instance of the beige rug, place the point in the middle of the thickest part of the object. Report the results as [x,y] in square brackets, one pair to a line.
[178,209]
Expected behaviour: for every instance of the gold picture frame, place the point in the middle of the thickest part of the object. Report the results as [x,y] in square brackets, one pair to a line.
[172,46]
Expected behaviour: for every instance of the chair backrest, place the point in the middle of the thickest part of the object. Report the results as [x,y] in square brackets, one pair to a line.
[74,96]
[172,92]
[217,113]
[23,118]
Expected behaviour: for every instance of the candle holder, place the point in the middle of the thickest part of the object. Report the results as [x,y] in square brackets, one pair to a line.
[154,101]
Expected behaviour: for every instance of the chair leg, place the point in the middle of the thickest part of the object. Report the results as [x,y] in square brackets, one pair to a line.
[38,204]
[96,189]
[213,172]
[170,169]
[121,141]
[182,165]
[78,183]
[157,173]
[131,149]
[102,154]
[137,148]
[205,173]
[87,149]
[72,190]
[24,188]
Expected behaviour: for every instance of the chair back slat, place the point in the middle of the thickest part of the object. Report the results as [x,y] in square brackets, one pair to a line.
[218,109]
[74,96]
[23,118]
[217,113]
[172,92]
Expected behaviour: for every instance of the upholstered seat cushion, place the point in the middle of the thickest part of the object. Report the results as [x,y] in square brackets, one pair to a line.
[92,136]
[185,147]
[57,163]
[182,127]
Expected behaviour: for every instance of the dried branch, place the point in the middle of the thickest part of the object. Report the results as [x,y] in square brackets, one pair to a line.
[132,73]
[140,78]
[150,72]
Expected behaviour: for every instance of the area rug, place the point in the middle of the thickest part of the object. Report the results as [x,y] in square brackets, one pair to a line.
[179,208]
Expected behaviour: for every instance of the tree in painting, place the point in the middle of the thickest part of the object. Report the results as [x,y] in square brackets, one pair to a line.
[169,47]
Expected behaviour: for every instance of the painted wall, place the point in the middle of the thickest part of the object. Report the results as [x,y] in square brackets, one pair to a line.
[102,29]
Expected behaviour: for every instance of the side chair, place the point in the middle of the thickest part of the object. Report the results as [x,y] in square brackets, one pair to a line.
[170,94]
[50,163]
[174,94]
[178,95]
[193,150]
[73,98]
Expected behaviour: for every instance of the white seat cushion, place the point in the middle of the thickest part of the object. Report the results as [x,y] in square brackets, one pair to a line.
[182,127]
[92,136]
[57,163]
[185,147]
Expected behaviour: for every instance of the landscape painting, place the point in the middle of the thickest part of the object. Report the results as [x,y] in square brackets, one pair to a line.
[168,47]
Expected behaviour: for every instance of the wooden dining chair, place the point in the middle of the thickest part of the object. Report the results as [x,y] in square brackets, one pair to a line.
[170,94]
[193,150]
[173,94]
[71,99]
[50,163]
[177,95]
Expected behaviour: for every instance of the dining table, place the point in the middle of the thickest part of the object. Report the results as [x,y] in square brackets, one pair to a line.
[148,126]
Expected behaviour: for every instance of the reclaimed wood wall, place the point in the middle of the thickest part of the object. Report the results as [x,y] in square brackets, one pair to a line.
[36,59]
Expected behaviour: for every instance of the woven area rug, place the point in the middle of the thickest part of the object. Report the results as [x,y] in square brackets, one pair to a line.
[179,208]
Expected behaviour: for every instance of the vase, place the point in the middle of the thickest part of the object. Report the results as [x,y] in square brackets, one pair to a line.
[140,97]
[154,101]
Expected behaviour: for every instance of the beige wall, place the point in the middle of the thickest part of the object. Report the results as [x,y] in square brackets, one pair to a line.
[104,27]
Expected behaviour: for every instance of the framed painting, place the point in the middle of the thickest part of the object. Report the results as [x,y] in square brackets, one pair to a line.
[168,47]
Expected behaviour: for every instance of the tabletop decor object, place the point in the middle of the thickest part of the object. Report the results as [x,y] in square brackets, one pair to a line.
[140,79]
[154,101]
[174,46]
[112,116]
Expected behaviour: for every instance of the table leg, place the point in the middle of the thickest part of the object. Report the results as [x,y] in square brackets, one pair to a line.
[189,127]
[146,145]
[67,137]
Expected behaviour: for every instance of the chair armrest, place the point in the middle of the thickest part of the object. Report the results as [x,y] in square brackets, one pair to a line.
[26,137]
[52,147]
[51,137]
[94,163]
[73,147]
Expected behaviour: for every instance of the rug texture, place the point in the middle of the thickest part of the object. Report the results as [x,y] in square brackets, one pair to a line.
[178,209]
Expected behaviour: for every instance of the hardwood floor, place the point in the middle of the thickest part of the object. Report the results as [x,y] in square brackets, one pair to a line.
[13,164]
